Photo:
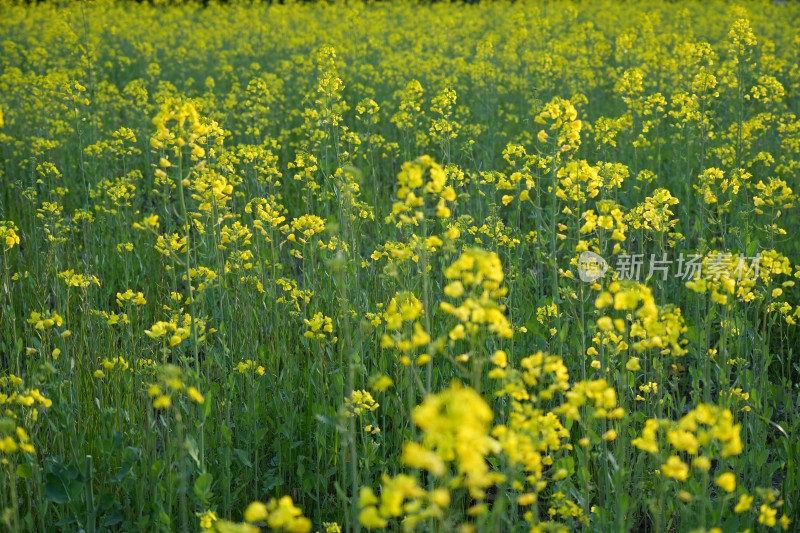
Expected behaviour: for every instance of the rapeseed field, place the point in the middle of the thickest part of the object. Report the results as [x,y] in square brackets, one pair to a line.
[505,266]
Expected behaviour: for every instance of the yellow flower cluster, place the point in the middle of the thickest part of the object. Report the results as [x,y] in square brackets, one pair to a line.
[654,215]
[170,385]
[129,296]
[703,433]
[645,326]
[202,276]
[714,185]
[564,125]
[178,329]
[111,365]
[419,180]
[306,226]
[8,234]
[578,181]
[478,274]
[178,126]
[17,405]
[248,365]
[455,426]
[608,222]
[401,496]
[279,514]
[211,190]
[723,276]
[360,402]
[269,216]
[320,327]
[45,320]
[597,394]
[405,332]
[73,279]
[13,438]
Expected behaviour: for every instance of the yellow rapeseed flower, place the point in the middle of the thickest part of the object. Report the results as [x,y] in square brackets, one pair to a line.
[726,481]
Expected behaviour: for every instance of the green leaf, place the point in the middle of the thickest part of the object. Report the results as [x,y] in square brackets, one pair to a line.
[202,487]
[692,335]
[227,434]
[262,352]
[112,520]
[24,471]
[56,489]
[190,445]
[241,455]
[207,405]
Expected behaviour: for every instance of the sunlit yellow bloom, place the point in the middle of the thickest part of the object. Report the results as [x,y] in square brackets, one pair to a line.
[675,468]
[744,503]
[162,402]
[371,519]
[256,512]
[610,435]
[195,395]
[766,515]
[702,463]
[726,481]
